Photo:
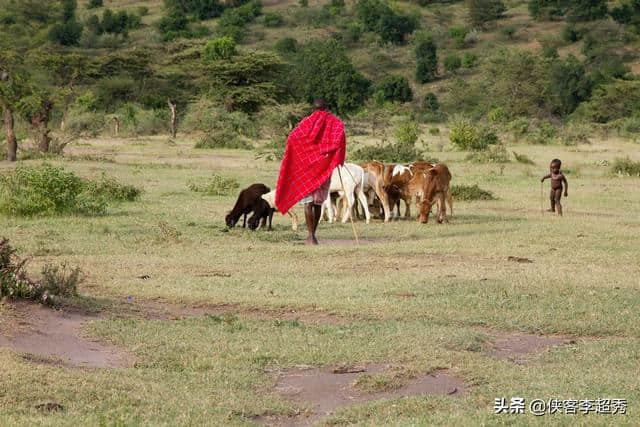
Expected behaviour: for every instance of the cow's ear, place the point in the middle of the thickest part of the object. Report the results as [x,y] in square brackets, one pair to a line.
[432,172]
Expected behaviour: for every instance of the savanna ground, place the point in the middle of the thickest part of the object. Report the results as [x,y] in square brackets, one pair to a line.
[425,297]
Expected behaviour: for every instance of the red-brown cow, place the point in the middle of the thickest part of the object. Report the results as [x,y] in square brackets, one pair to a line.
[436,188]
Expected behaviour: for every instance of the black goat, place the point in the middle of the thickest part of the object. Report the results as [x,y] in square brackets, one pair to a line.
[261,212]
[248,200]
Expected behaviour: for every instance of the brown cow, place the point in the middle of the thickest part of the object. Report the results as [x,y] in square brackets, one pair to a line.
[436,188]
[404,183]
[374,173]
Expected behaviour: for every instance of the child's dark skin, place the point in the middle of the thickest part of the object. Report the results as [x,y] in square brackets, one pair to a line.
[557,181]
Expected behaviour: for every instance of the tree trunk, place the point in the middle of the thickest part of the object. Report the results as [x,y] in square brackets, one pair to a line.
[40,123]
[116,123]
[12,143]
[174,118]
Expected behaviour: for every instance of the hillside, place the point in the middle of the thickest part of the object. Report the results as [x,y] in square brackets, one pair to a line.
[524,77]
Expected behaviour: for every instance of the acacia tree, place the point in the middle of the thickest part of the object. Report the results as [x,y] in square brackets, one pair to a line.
[12,89]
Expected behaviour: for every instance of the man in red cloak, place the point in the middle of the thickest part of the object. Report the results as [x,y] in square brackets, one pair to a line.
[314,149]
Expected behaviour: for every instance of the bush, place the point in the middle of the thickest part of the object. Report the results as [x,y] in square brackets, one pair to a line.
[469,60]
[452,63]
[587,10]
[467,136]
[426,57]
[523,158]
[94,4]
[220,48]
[49,190]
[430,103]
[494,154]
[406,133]
[85,123]
[233,21]
[626,167]
[223,139]
[394,88]
[273,20]
[67,33]
[286,45]
[484,11]
[575,133]
[457,34]
[206,115]
[198,9]
[217,185]
[470,192]
[615,100]
[546,10]
[509,32]
[377,16]
[54,286]
[387,153]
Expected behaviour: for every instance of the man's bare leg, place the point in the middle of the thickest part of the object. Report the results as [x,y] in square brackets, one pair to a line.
[312,217]
[553,202]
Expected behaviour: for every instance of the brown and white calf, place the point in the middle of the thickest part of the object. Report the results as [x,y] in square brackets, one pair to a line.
[435,189]
[374,180]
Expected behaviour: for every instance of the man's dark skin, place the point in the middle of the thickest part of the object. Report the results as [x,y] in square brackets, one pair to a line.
[557,181]
[311,210]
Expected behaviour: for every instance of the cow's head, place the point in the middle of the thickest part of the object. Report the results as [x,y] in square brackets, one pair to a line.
[428,196]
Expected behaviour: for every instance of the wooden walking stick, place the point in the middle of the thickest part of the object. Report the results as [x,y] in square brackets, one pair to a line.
[353,227]
[541,198]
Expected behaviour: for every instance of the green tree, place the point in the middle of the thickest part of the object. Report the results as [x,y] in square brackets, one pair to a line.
[394,88]
[545,10]
[482,12]
[12,89]
[199,9]
[323,69]
[569,85]
[220,48]
[587,10]
[426,58]
[68,32]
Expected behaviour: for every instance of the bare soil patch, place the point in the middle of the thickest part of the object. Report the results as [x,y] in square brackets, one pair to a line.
[45,335]
[324,390]
[352,242]
[518,347]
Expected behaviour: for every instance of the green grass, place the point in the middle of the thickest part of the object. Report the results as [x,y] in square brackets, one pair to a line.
[215,369]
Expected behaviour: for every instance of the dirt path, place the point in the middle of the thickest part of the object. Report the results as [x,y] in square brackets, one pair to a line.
[51,336]
[324,390]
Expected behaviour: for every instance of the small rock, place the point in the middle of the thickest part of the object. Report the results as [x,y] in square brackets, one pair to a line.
[50,407]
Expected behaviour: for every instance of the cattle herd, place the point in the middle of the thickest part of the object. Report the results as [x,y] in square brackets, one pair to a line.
[376,186]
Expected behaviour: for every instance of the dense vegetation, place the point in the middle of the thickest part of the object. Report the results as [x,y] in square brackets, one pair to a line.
[70,68]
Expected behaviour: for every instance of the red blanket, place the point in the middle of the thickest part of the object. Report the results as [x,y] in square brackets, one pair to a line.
[314,149]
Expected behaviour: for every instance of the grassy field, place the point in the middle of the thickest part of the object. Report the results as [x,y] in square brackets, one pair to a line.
[425,297]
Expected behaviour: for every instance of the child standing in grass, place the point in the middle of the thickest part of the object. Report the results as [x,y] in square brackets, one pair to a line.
[557,182]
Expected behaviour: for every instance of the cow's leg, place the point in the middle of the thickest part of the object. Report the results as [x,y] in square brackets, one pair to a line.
[271,211]
[407,211]
[350,199]
[244,221]
[294,220]
[365,204]
[442,213]
[450,200]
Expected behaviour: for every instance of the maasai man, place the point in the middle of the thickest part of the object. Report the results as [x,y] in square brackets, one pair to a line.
[314,149]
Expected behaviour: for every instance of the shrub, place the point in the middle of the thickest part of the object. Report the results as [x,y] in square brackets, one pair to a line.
[220,48]
[495,154]
[286,45]
[470,192]
[406,133]
[94,4]
[377,16]
[575,133]
[626,167]
[273,20]
[484,11]
[467,136]
[217,185]
[430,103]
[508,32]
[387,153]
[426,57]
[544,133]
[223,139]
[452,63]
[115,90]
[353,32]
[587,10]
[545,10]
[395,88]
[233,21]
[142,11]
[85,123]
[570,34]
[457,34]
[469,60]
[523,158]
[611,101]
[67,33]
[198,9]
[48,190]
[54,286]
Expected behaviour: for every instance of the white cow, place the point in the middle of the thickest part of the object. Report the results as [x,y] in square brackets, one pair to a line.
[353,179]
[270,197]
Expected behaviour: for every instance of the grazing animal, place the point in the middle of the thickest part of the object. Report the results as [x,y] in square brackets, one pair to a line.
[353,181]
[396,181]
[435,188]
[270,198]
[262,211]
[374,177]
[245,204]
